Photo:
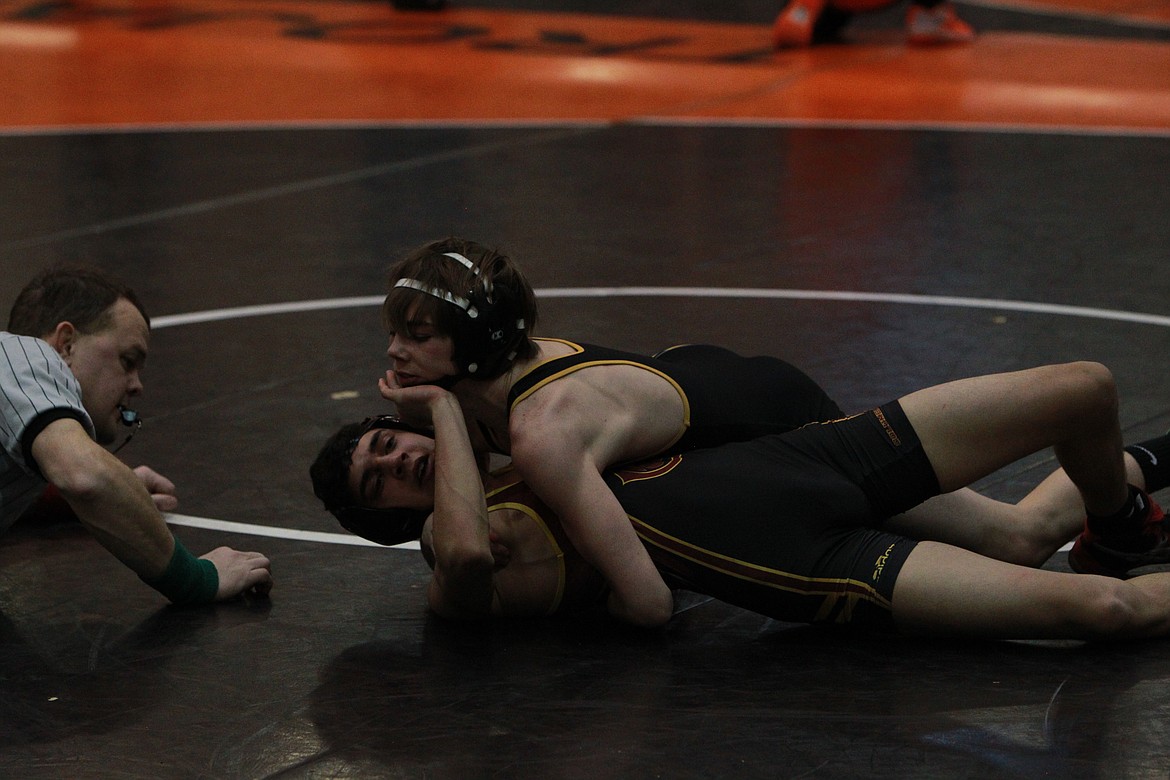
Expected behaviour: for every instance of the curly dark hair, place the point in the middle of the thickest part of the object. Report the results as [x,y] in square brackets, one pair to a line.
[330,470]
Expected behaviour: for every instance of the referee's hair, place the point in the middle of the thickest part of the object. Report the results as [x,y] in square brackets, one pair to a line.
[79,295]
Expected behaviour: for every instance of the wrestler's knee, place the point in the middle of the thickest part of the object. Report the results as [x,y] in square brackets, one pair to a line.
[1092,385]
[1114,609]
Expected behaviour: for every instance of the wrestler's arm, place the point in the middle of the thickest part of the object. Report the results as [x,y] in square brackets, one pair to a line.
[561,471]
[461,583]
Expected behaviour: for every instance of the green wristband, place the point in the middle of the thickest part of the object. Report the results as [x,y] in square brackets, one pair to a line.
[187,580]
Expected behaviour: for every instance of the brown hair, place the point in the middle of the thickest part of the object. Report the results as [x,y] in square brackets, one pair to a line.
[494,283]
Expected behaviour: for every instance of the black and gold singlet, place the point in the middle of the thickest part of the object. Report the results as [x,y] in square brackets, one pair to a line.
[726,397]
[786,525]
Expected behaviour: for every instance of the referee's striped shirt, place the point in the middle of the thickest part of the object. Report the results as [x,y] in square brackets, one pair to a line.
[36,388]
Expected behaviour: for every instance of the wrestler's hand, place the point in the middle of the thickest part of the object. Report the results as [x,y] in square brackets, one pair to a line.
[240,572]
[161,489]
[414,403]
[395,382]
[391,380]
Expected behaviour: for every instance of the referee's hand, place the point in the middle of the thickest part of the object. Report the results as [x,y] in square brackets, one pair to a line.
[161,489]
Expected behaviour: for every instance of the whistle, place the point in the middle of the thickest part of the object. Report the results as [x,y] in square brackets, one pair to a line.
[130,418]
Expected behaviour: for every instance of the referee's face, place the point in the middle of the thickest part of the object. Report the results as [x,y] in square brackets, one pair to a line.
[108,364]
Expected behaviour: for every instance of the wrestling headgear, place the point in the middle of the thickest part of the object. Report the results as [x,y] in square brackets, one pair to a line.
[488,334]
[330,473]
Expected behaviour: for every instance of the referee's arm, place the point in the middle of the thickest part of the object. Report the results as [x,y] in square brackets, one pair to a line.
[109,499]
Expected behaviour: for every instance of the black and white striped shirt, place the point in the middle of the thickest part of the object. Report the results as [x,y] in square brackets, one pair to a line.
[36,388]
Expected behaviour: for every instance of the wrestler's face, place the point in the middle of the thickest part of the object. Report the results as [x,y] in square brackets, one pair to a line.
[419,354]
[108,365]
[393,469]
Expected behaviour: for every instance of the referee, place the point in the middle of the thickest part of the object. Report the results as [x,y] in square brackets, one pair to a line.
[70,361]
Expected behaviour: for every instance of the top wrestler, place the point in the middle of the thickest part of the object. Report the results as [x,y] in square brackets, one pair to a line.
[73,354]
[791,525]
[566,412]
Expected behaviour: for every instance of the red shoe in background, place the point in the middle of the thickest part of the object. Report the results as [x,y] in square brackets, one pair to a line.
[794,26]
[938,25]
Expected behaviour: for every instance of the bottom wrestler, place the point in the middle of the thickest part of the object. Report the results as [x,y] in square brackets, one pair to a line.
[789,525]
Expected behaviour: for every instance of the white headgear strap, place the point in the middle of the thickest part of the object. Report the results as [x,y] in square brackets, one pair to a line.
[461,302]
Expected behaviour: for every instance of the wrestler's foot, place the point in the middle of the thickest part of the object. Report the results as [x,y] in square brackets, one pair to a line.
[1098,554]
[941,24]
[794,26]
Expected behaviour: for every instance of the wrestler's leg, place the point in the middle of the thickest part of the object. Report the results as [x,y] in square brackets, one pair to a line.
[945,590]
[1016,533]
[972,427]
[1028,532]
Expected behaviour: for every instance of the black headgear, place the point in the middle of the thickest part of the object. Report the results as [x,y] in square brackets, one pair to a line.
[489,334]
[384,526]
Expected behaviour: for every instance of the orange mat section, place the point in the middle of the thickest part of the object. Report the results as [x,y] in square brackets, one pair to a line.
[222,62]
